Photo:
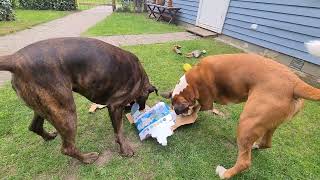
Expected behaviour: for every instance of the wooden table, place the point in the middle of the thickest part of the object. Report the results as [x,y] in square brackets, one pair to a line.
[162,11]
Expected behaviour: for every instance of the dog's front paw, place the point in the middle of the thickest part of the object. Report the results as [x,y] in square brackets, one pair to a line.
[220,170]
[255,146]
[126,150]
[50,136]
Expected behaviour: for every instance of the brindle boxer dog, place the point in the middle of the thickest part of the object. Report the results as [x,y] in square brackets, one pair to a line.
[46,73]
[272,93]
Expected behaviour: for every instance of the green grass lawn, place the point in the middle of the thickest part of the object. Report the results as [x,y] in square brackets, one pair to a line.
[130,23]
[87,4]
[28,18]
[193,151]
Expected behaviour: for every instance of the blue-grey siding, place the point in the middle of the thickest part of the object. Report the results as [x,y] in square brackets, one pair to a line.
[283,25]
[189,10]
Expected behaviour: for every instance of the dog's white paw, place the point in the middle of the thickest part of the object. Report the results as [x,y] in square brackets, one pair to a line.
[220,170]
[255,146]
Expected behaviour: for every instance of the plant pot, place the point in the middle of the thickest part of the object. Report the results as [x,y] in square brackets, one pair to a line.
[160,2]
[170,3]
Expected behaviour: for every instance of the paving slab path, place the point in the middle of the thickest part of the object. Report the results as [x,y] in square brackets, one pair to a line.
[72,26]
[127,40]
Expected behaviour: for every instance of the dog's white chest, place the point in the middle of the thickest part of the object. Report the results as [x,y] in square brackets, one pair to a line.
[180,86]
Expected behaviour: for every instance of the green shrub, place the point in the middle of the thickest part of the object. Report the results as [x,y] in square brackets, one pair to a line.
[61,5]
[125,6]
[6,11]
[13,3]
[131,6]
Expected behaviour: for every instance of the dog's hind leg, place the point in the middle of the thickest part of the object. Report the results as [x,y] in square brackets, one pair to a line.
[55,103]
[65,121]
[259,119]
[293,109]
[266,141]
[116,119]
[247,135]
[36,126]
[58,107]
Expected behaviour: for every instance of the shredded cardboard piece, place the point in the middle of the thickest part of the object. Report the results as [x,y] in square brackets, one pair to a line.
[130,118]
[196,53]
[217,112]
[176,49]
[183,120]
[94,107]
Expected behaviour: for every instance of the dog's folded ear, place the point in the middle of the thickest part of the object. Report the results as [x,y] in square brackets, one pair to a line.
[153,89]
[166,95]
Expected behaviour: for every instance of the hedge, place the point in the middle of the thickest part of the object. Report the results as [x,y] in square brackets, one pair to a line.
[6,11]
[61,5]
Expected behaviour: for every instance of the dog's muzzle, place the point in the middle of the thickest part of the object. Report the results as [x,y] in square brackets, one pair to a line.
[186,111]
[189,112]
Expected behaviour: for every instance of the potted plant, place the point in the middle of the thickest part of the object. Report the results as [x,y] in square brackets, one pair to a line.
[160,2]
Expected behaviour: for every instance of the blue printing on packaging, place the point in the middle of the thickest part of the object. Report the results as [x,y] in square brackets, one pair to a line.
[153,115]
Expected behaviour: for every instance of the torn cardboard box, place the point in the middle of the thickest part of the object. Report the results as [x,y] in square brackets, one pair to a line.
[158,121]
[94,107]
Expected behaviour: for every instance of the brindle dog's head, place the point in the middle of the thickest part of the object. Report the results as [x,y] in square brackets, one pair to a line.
[142,99]
[183,97]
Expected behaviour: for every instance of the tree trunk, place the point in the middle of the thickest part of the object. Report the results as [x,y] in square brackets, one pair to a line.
[138,5]
[114,5]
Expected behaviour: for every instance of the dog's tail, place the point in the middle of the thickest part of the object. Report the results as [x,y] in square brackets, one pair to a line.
[6,63]
[305,91]
[313,47]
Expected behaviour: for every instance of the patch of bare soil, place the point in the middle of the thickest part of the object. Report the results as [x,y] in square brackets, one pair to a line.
[104,158]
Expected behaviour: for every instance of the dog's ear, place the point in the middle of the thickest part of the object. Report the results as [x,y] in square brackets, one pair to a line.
[152,89]
[166,95]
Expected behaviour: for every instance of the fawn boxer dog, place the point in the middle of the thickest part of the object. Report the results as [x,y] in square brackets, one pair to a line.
[271,91]
[47,72]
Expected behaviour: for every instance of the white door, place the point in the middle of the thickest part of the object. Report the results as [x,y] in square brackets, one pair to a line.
[212,13]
